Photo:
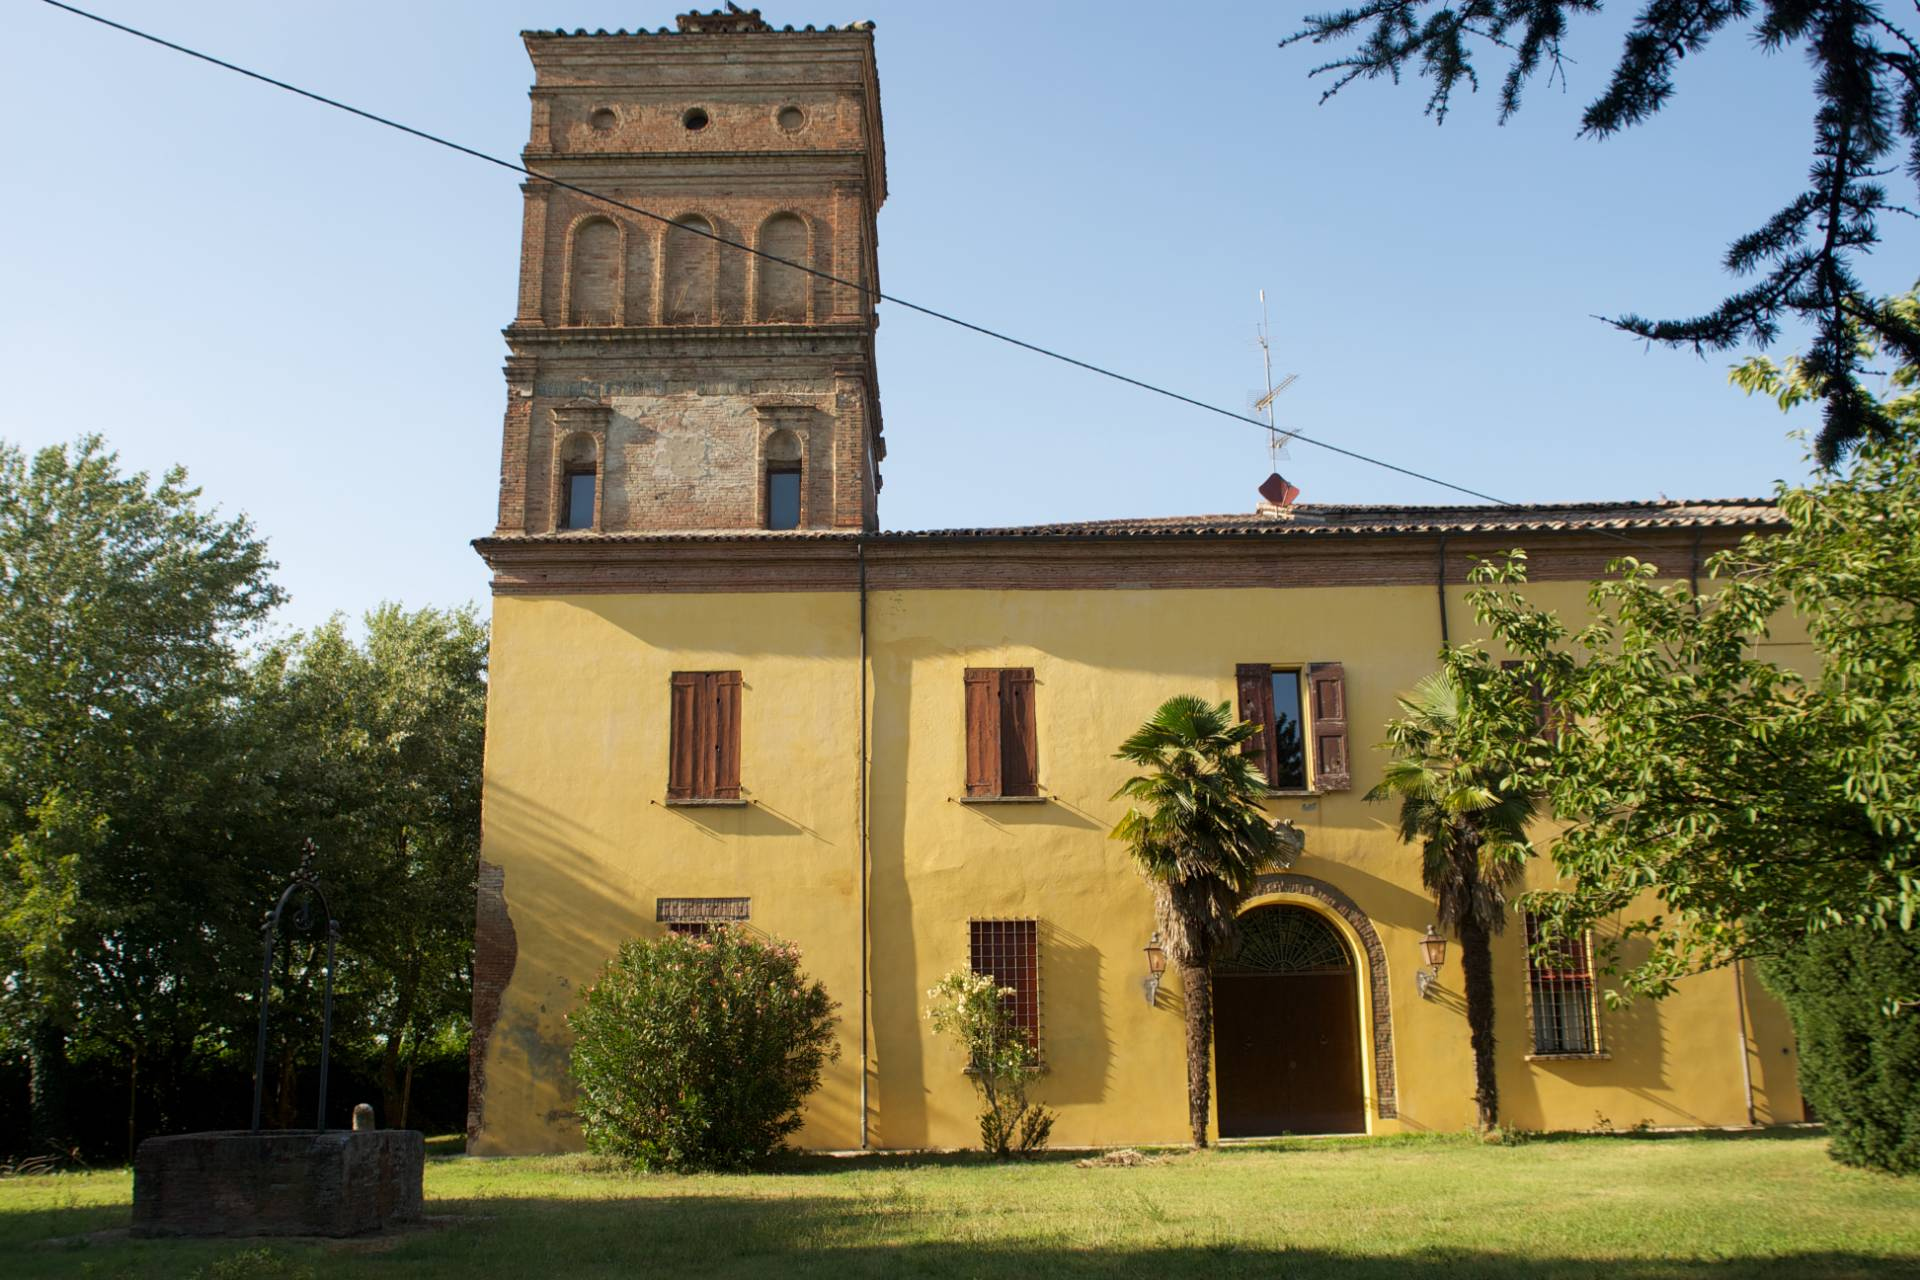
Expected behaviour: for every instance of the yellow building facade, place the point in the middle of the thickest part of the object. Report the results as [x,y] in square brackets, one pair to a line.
[720,694]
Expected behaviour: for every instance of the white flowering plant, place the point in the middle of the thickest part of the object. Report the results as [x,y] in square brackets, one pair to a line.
[1002,1060]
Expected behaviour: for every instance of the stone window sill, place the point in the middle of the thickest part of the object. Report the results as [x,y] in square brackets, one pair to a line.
[707,804]
[1602,1056]
[1001,799]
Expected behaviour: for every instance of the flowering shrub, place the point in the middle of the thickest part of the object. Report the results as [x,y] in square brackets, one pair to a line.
[696,1053]
[1002,1062]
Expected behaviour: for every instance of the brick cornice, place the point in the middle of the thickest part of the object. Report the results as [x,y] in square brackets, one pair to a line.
[547,337]
[751,562]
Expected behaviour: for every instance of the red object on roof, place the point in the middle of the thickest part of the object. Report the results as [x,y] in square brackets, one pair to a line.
[1276,490]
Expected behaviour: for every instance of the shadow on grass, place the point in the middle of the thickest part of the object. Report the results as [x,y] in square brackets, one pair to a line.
[889,1234]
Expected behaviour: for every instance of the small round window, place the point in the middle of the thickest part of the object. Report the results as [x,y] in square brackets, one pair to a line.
[603,119]
[791,119]
[696,118]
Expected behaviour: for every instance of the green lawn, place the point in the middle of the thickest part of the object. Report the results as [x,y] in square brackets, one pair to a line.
[1409,1209]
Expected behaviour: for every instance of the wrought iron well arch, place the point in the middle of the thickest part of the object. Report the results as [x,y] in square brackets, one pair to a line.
[306,883]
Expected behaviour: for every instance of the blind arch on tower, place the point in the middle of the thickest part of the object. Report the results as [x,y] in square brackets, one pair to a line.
[781,294]
[593,272]
[690,276]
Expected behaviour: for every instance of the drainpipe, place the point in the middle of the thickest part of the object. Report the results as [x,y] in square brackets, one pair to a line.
[1440,587]
[860,552]
[1693,569]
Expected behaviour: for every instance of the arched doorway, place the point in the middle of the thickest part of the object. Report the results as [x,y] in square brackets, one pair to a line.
[1286,1028]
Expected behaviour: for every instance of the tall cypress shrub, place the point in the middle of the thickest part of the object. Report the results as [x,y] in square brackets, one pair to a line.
[1859,1063]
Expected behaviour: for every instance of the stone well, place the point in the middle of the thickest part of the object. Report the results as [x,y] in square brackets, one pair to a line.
[286,1182]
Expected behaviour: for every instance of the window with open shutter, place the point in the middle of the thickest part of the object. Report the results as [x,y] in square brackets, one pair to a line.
[1273,698]
[1547,716]
[1256,704]
[703,753]
[1560,994]
[1003,743]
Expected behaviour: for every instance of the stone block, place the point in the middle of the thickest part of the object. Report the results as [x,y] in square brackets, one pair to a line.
[299,1182]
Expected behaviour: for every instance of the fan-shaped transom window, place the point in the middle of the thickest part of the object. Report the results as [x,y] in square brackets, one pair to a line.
[1287,940]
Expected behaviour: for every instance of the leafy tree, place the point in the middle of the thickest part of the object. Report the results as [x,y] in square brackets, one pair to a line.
[1468,814]
[1198,833]
[1755,803]
[1001,1061]
[1867,103]
[374,749]
[699,1052]
[123,609]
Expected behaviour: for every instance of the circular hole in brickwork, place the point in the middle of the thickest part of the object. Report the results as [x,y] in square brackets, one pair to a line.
[695,118]
[791,119]
[603,119]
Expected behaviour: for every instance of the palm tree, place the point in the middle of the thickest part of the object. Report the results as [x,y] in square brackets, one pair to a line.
[1471,829]
[1200,837]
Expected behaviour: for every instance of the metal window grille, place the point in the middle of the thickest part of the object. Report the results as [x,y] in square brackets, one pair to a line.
[1008,951]
[692,928]
[705,912]
[1560,990]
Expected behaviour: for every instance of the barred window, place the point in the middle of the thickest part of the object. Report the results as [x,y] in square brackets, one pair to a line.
[1008,951]
[698,917]
[1560,990]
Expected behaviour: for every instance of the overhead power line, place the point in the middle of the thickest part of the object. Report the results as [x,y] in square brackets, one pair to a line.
[932,312]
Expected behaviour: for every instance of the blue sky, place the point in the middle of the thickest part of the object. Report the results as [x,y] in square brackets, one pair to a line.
[304,309]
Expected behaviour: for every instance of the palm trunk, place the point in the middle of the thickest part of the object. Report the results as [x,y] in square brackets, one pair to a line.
[1476,960]
[1198,984]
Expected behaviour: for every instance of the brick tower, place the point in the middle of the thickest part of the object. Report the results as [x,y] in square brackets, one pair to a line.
[659,381]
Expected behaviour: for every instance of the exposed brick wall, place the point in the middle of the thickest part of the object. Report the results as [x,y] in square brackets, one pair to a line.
[496,950]
[699,350]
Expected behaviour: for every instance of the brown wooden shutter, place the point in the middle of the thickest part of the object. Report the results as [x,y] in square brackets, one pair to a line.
[1019,740]
[983,731]
[1256,704]
[726,735]
[683,735]
[1327,696]
[1546,716]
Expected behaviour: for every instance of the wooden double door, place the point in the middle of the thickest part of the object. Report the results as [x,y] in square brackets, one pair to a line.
[1286,1028]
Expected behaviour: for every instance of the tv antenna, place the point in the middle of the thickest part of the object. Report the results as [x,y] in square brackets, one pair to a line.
[1262,403]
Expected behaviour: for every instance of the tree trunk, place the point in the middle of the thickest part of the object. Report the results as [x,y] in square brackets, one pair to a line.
[47,1087]
[1197,983]
[284,1101]
[1476,960]
[391,1102]
[133,1104]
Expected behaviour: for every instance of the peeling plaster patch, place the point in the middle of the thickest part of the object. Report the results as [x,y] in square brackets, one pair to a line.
[496,950]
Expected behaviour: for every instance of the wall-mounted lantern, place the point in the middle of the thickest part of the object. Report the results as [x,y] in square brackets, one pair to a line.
[1433,950]
[1156,965]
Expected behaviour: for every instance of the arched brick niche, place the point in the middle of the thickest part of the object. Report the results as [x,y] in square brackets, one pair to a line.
[1381,1014]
